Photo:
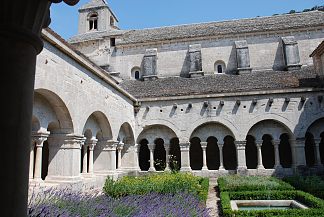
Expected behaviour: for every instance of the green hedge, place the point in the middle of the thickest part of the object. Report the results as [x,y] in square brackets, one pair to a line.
[310,184]
[316,205]
[251,183]
[161,183]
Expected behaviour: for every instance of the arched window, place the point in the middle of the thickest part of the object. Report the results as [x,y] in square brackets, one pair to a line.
[136,73]
[219,67]
[93,22]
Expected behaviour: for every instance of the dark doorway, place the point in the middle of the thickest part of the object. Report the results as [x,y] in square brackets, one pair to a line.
[175,154]
[268,155]
[144,155]
[212,154]
[159,155]
[285,151]
[251,153]
[196,158]
[229,153]
[309,149]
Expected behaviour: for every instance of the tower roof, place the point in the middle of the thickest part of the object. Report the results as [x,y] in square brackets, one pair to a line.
[94,4]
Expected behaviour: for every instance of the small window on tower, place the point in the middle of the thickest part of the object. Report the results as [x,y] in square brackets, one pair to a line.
[136,73]
[112,21]
[220,67]
[93,22]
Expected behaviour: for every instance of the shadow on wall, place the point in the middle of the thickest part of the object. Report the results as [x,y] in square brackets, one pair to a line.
[232,63]
[185,67]
[279,62]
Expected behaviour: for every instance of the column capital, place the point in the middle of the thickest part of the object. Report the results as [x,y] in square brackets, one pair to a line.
[40,137]
[151,146]
[184,146]
[299,142]
[240,144]
[203,145]
[317,141]
[276,142]
[108,144]
[220,145]
[120,146]
[91,143]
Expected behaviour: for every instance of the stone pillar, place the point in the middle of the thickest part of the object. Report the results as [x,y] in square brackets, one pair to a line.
[150,64]
[185,157]
[241,160]
[195,61]
[120,147]
[31,161]
[242,57]
[85,159]
[317,153]
[39,139]
[65,152]
[204,146]
[167,157]
[259,152]
[151,148]
[291,53]
[91,144]
[106,158]
[221,159]
[276,153]
[20,27]
[298,152]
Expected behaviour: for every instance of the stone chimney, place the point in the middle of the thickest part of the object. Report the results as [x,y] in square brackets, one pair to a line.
[291,53]
[150,64]
[195,61]
[242,57]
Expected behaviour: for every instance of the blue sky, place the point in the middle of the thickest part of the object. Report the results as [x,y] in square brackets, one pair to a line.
[139,14]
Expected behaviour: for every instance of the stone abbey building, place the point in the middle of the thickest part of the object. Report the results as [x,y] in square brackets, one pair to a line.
[240,96]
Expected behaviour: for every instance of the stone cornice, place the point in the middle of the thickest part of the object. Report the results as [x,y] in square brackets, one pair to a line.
[233,94]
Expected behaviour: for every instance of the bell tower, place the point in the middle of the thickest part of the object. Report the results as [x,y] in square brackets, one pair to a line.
[96,16]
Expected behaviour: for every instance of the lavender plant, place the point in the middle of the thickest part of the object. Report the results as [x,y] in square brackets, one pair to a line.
[65,203]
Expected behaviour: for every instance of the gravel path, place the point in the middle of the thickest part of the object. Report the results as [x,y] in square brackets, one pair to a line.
[213,201]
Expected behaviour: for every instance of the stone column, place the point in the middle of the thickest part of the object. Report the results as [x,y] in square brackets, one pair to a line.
[20,29]
[65,152]
[259,152]
[39,139]
[221,159]
[204,146]
[241,160]
[317,153]
[276,153]
[31,161]
[167,157]
[119,149]
[185,157]
[106,158]
[298,152]
[137,149]
[151,148]
[91,144]
[85,159]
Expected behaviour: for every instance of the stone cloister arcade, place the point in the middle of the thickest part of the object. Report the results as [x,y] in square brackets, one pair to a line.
[59,154]
[270,147]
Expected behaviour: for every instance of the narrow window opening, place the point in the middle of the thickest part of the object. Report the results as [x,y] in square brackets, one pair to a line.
[219,69]
[137,75]
[93,22]
[112,21]
[112,42]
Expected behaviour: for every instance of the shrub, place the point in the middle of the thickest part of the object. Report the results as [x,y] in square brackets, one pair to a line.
[163,183]
[251,183]
[310,184]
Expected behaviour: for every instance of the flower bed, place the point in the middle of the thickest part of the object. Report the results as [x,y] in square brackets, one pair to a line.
[251,183]
[64,203]
[164,183]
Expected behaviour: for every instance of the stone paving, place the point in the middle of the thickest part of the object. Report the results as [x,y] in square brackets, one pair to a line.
[213,201]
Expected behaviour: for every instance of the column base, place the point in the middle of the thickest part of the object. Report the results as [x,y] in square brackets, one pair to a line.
[242,170]
[185,169]
[152,169]
[260,167]
[205,168]
[221,168]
